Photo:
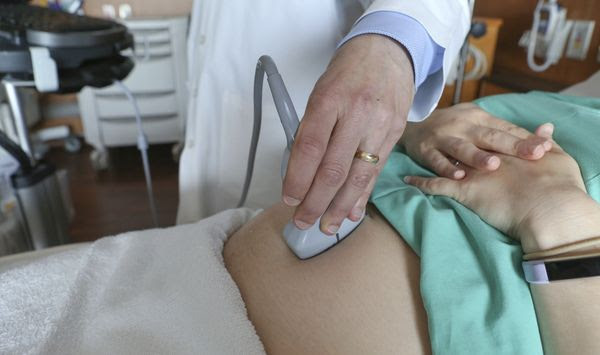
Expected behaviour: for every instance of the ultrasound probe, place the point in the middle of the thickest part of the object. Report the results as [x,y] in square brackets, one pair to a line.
[304,243]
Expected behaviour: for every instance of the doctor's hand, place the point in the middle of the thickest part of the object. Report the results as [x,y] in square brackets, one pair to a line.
[361,102]
[466,136]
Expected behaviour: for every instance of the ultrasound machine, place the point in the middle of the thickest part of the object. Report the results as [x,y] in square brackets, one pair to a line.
[58,52]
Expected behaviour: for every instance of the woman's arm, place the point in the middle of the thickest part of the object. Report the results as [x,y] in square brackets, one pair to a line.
[543,204]
[568,311]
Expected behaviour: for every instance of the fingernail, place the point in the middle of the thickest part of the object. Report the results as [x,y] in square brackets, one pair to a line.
[459,174]
[492,162]
[332,228]
[301,224]
[406,179]
[549,128]
[356,213]
[290,201]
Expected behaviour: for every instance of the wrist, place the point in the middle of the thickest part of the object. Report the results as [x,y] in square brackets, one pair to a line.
[570,216]
[388,54]
[398,55]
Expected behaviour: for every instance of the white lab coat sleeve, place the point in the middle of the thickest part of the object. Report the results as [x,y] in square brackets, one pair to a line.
[447,22]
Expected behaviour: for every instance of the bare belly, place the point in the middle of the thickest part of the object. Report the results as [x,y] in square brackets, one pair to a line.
[360,297]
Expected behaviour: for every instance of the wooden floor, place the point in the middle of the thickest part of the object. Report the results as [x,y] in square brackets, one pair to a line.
[115,201]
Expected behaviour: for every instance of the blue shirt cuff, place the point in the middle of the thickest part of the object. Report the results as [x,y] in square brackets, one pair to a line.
[426,55]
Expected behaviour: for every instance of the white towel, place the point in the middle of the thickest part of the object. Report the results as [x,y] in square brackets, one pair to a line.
[161,291]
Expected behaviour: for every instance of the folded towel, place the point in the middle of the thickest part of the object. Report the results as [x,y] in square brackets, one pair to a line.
[152,292]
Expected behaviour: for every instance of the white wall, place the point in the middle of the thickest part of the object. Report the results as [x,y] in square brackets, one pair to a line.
[143,8]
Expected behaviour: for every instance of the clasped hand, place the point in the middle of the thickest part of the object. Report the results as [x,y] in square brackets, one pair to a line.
[361,103]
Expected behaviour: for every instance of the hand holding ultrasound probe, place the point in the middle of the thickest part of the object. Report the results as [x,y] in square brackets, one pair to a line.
[304,243]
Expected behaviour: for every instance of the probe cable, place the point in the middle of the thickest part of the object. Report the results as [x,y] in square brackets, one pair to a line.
[285,109]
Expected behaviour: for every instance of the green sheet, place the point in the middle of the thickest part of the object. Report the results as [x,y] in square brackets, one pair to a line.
[472,284]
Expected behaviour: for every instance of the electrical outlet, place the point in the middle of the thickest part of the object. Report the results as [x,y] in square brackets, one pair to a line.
[579,42]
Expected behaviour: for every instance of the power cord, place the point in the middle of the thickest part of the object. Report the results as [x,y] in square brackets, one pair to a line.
[142,144]
[532,41]
[480,64]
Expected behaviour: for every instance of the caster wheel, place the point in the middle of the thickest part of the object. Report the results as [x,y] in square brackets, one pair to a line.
[72,144]
[40,149]
[99,159]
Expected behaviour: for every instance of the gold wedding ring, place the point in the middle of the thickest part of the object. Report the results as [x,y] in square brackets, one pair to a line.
[368,157]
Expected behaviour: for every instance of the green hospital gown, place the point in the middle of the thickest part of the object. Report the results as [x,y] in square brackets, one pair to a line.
[472,284]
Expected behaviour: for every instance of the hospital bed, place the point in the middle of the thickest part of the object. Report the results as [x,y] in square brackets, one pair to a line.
[160,290]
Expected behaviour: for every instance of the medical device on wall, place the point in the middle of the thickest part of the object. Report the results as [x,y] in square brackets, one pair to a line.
[547,36]
[304,243]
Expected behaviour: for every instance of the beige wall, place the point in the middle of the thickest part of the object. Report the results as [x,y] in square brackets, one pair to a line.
[142,8]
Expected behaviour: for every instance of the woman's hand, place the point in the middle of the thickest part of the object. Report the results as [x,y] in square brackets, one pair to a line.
[543,203]
[360,102]
[465,133]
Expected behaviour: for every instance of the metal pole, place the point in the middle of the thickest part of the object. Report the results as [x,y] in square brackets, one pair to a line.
[460,73]
[14,100]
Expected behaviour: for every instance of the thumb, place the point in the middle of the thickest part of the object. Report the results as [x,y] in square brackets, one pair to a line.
[546,131]
[435,185]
